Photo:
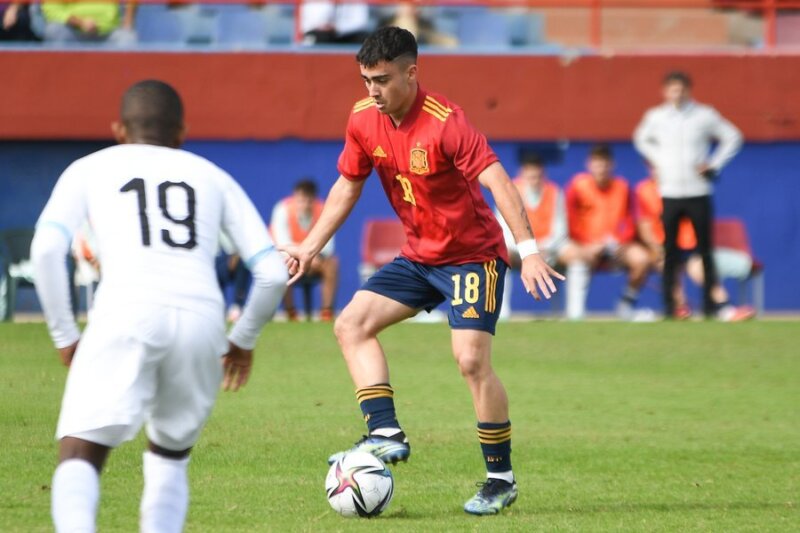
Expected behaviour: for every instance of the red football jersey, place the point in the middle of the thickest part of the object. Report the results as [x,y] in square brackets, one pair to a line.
[428,167]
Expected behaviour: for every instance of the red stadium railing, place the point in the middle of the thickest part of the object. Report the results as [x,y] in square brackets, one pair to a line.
[767,8]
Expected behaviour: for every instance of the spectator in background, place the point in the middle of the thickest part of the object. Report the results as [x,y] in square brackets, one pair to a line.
[675,138]
[728,263]
[408,17]
[544,204]
[292,219]
[231,270]
[15,22]
[333,22]
[88,22]
[601,230]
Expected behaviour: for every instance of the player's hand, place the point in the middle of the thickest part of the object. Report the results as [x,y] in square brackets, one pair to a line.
[237,364]
[707,172]
[67,353]
[538,276]
[298,261]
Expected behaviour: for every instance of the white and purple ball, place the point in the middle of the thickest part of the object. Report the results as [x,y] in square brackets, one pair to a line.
[359,484]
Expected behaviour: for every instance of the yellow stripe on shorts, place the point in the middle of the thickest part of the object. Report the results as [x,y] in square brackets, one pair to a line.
[491,285]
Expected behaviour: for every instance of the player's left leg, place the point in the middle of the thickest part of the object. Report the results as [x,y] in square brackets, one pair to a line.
[472,351]
[475,292]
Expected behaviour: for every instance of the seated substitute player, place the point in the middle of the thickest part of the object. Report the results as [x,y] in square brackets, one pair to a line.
[729,263]
[544,204]
[151,352]
[292,219]
[601,229]
[431,163]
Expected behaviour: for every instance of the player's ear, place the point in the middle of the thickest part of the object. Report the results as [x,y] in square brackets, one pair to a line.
[411,72]
[119,132]
[181,136]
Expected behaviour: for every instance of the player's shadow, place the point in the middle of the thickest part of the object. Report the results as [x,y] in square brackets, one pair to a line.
[529,508]
[655,507]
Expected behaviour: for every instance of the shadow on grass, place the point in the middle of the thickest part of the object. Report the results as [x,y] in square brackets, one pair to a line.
[659,507]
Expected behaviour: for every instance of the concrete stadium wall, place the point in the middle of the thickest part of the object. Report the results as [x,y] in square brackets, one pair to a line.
[307,95]
[760,186]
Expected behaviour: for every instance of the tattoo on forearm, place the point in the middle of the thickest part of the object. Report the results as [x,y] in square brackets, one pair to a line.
[524,214]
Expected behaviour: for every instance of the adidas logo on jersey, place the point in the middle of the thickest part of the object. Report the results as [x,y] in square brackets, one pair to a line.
[378,152]
[470,313]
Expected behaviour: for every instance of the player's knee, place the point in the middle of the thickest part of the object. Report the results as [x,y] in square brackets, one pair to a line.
[472,364]
[347,328]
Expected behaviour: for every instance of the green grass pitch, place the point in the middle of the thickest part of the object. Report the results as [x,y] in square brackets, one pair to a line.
[617,427]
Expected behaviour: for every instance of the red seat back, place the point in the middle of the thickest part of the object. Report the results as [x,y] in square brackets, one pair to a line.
[382,241]
[731,233]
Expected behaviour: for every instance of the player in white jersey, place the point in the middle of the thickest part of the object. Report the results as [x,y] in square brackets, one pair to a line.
[152,352]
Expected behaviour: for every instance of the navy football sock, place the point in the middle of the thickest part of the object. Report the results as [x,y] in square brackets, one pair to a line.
[377,405]
[495,442]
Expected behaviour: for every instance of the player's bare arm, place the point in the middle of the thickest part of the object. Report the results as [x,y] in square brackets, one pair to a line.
[343,196]
[537,275]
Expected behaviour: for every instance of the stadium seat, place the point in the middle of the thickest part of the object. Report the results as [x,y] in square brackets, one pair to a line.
[241,27]
[155,24]
[731,233]
[483,27]
[16,270]
[381,243]
[280,24]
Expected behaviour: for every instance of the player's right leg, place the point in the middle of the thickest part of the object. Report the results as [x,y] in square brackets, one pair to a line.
[394,293]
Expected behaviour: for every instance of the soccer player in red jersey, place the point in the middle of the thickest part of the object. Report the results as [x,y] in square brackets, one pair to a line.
[431,163]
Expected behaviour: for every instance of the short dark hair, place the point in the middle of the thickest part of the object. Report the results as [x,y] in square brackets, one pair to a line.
[602,151]
[387,44]
[306,186]
[152,111]
[531,158]
[677,76]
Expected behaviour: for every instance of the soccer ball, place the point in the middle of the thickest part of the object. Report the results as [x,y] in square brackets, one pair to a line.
[359,484]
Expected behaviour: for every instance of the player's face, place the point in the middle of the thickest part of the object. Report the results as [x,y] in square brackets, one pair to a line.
[391,85]
[600,168]
[532,174]
[676,93]
[303,202]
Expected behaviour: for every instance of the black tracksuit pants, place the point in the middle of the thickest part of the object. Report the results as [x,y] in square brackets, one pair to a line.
[700,211]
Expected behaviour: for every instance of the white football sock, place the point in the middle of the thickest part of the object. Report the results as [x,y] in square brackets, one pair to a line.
[386,432]
[505,309]
[505,476]
[75,493]
[578,276]
[166,494]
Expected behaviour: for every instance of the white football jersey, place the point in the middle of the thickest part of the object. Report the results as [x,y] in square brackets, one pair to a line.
[156,213]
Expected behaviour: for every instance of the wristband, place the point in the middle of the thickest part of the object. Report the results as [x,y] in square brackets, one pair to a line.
[526,248]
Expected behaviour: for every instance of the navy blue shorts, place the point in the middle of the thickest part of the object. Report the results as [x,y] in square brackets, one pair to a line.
[474,291]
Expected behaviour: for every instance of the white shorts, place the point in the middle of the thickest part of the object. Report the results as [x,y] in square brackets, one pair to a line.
[140,364]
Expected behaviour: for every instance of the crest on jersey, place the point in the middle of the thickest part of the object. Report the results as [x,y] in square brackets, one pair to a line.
[419,161]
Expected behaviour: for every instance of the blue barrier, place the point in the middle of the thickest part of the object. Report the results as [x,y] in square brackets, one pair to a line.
[760,186]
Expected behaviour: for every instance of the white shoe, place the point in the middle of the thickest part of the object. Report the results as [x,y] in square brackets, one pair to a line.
[625,310]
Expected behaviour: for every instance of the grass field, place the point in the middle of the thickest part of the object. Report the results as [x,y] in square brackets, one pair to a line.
[617,427]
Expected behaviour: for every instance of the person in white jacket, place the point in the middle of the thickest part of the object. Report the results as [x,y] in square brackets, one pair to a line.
[152,352]
[676,138]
